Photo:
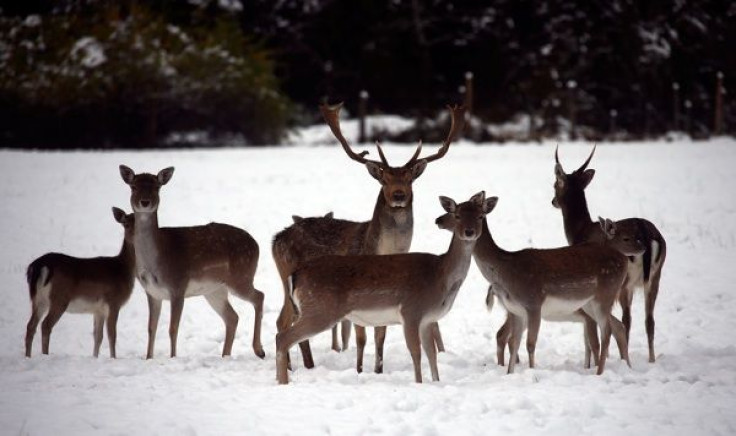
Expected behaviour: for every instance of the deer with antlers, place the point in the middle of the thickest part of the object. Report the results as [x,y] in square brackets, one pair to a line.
[644,271]
[101,286]
[173,263]
[558,284]
[388,232]
[412,289]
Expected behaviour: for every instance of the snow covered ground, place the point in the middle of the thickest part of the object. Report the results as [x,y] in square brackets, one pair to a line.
[61,202]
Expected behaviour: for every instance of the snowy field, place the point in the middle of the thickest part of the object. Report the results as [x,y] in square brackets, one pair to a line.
[61,202]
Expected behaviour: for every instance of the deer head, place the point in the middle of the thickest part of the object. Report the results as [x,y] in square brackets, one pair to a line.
[623,239]
[570,185]
[144,188]
[396,182]
[465,219]
[128,222]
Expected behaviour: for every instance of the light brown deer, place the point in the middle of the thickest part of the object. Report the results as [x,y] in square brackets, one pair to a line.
[101,286]
[412,289]
[557,285]
[388,232]
[644,271]
[173,263]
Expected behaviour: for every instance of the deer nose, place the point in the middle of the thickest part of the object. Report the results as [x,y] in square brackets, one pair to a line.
[469,233]
[145,203]
[399,195]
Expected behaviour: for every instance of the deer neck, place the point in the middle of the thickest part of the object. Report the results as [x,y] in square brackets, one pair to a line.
[456,261]
[488,255]
[576,218]
[146,240]
[127,256]
[390,229]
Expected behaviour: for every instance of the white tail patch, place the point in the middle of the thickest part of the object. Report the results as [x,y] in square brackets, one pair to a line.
[43,292]
[655,253]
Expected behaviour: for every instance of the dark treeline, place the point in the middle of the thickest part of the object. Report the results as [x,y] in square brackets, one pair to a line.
[626,68]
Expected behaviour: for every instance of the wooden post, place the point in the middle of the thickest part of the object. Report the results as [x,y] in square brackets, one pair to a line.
[362,111]
[675,106]
[688,118]
[468,101]
[571,103]
[613,113]
[718,121]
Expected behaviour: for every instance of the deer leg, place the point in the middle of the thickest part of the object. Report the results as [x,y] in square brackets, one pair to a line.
[154,310]
[247,292]
[286,316]
[379,335]
[177,306]
[346,327]
[219,302]
[305,327]
[99,323]
[651,299]
[534,321]
[437,338]
[502,339]
[426,335]
[592,344]
[619,333]
[517,330]
[360,340]
[335,344]
[31,328]
[112,329]
[411,334]
[55,312]
[624,298]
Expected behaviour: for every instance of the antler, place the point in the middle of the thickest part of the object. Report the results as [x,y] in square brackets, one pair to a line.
[557,157]
[457,123]
[585,164]
[331,115]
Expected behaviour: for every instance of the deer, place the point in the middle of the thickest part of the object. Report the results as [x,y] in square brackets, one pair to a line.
[389,231]
[174,263]
[412,289]
[59,283]
[557,284]
[644,270]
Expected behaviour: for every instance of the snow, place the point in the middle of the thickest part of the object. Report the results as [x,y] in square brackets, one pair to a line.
[89,52]
[61,202]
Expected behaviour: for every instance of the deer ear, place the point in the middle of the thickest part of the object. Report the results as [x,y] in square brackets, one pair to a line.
[418,169]
[560,173]
[444,222]
[127,174]
[165,175]
[489,205]
[375,171]
[330,215]
[609,229]
[478,198]
[587,177]
[296,218]
[119,215]
[448,204]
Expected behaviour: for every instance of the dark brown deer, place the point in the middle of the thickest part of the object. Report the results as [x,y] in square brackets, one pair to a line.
[173,263]
[101,286]
[412,289]
[388,232]
[555,284]
[644,271]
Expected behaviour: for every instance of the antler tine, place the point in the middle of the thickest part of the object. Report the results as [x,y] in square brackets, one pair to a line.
[331,115]
[457,123]
[415,157]
[557,156]
[380,154]
[585,164]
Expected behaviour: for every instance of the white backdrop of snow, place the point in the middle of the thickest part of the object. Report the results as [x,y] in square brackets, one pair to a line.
[61,202]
